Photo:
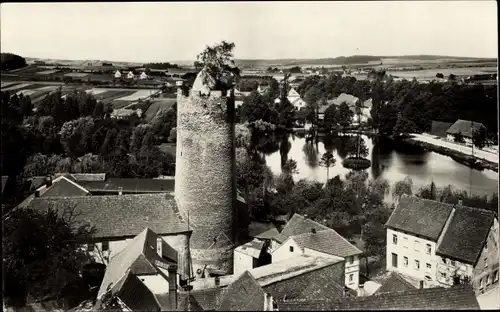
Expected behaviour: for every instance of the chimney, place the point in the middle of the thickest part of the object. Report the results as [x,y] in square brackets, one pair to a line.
[120,190]
[159,243]
[49,181]
[268,302]
[37,193]
[217,281]
[421,284]
[172,286]
[460,202]
[313,230]
[361,290]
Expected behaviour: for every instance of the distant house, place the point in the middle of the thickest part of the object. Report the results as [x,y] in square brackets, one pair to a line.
[118,74]
[441,244]
[130,75]
[143,76]
[460,297]
[464,127]
[439,128]
[122,113]
[307,237]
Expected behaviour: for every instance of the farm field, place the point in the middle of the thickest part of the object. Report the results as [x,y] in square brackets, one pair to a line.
[16,87]
[431,73]
[156,105]
[140,94]
[6,84]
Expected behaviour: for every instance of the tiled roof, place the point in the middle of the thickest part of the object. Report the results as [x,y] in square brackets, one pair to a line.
[244,294]
[130,185]
[464,127]
[135,295]
[185,302]
[459,297]
[138,257]
[344,97]
[64,187]
[466,234]
[252,248]
[327,241]
[262,230]
[89,176]
[395,283]
[299,224]
[120,215]
[423,217]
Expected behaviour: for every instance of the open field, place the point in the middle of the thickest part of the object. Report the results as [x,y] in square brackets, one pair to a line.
[140,94]
[156,105]
[16,87]
[431,73]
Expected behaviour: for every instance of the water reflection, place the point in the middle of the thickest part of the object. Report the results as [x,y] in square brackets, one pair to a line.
[389,162]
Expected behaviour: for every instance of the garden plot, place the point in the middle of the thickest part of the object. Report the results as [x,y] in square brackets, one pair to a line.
[141,94]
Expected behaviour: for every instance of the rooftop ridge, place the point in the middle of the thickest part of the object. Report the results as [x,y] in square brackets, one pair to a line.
[324,231]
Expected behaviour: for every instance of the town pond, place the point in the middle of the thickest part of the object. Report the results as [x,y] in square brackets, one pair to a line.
[390,161]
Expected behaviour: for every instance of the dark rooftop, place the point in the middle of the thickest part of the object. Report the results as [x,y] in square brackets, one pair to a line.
[327,241]
[244,294]
[466,234]
[130,185]
[395,283]
[299,224]
[423,217]
[464,127]
[461,297]
[135,295]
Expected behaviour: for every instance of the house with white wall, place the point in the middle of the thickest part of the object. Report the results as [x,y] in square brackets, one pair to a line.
[436,242]
[307,237]
[249,256]
[118,74]
[466,128]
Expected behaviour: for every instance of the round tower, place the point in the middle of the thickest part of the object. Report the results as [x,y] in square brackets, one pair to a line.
[205,187]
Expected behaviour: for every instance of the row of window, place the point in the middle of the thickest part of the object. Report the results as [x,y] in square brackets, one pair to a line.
[428,247]
[488,279]
[428,266]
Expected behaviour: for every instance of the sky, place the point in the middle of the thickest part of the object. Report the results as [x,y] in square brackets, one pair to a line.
[162,31]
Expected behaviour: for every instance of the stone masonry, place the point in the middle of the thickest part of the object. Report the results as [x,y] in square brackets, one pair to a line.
[205,177]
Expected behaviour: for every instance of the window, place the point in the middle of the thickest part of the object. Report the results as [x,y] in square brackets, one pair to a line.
[351,260]
[394,239]
[485,246]
[443,275]
[90,247]
[105,246]
[428,247]
[495,276]
[417,265]
[351,277]
[444,260]
[405,242]
[428,266]
[405,261]
[394,260]
[485,262]
[452,263]
[428,278]
[291,248]
[488,279]
[481,283]
[417,245]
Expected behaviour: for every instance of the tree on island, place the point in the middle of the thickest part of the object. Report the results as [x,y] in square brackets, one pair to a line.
[327,161]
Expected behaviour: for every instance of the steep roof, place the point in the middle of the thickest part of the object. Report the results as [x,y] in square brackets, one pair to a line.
[395,283]
[466,234]
[120,215]
[262,230]
[439,128]
[64,187]
[344,97]
[327,241]
[252,248]
[299,224]
[134,294]
[130,185]
[464,127]
[419,216]
[293,93]
[460,297]
[89,176]
[244,294]
[138,257]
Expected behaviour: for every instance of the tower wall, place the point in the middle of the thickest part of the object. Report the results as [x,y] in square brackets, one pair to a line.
[205,177]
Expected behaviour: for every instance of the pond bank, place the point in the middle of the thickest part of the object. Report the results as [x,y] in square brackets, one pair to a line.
[465,159]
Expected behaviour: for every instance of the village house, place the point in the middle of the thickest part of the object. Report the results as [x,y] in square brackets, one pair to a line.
[295,99]
[442,244]
[466,128]
[307,237]
[249,256]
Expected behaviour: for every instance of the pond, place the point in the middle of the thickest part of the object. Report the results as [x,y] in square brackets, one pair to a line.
[390,161]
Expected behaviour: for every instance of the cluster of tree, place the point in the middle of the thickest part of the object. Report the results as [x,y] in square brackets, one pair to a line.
[293,70]
[272,70]
[75,133]
[400,107]
[166,65]
[9,61]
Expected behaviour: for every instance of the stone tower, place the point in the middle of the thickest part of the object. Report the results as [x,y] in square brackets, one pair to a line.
[205,187]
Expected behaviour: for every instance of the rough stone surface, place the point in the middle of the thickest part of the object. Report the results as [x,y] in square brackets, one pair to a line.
[205,184]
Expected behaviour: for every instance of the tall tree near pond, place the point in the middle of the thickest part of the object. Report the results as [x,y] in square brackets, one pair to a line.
[327,161]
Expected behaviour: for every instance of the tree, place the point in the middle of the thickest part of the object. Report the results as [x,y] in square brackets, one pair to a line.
[479,137]
[402,187]
[459,138]
[440,75]
[41,253]
[330,118]
[344,115]
[9,61]
[327,161]
[217,61]
[452,77]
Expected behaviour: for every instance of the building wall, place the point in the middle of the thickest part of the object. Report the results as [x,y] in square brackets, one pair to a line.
[156,283]
[284,252]
[242,262]
[487,264]
[406,247]
[205,177]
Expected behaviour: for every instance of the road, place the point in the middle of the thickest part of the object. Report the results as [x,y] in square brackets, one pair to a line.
[484,155]
[490,299]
